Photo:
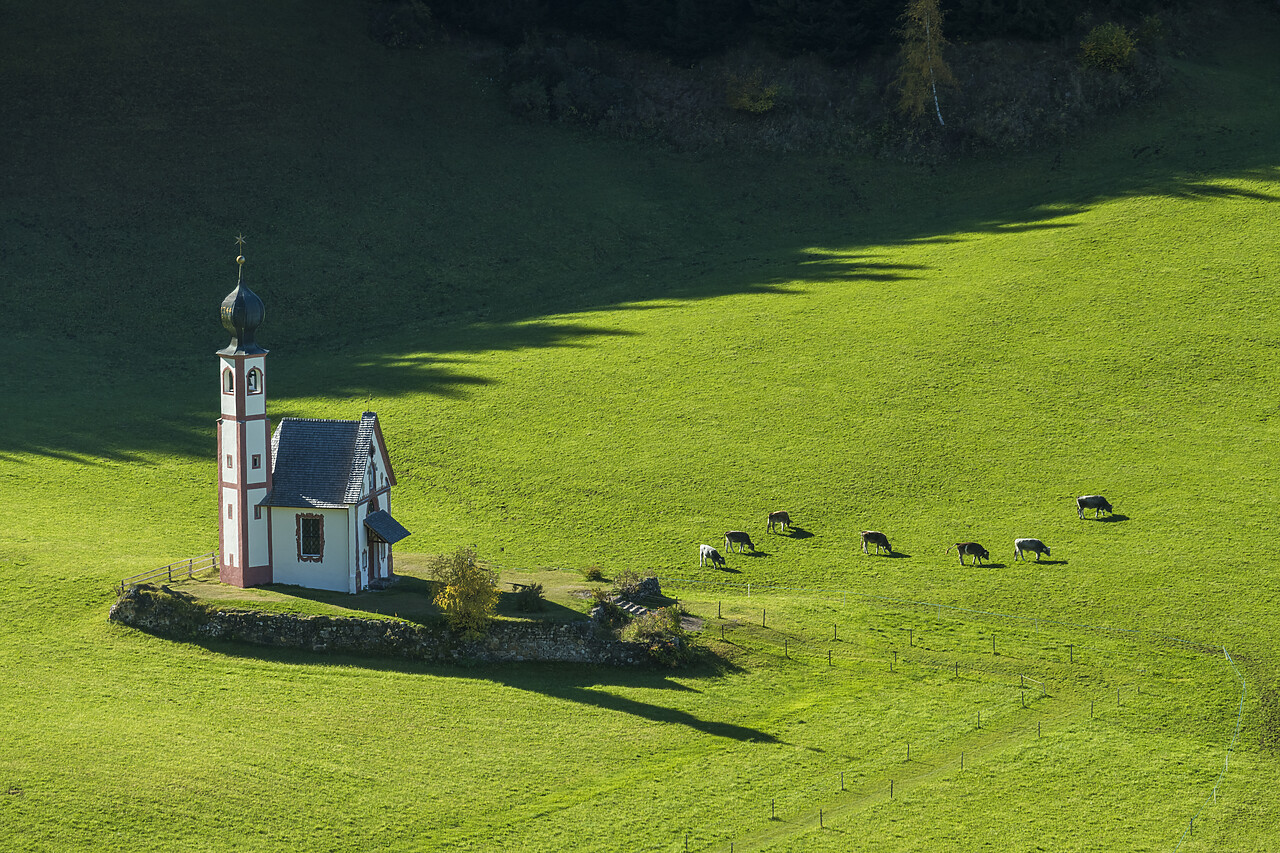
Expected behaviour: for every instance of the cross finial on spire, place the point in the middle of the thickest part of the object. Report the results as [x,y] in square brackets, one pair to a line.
[240,257]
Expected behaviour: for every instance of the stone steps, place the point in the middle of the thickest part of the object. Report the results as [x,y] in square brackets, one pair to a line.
[630,606]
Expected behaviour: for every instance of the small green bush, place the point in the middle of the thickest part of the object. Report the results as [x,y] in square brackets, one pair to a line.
[594,574]
[627,583]
[663,635]
[603,598]
[1152,30]
[1109,47]
[529,599]
[750,94]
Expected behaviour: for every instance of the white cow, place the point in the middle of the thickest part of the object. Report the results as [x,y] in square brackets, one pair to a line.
[706,552]
[1034,546]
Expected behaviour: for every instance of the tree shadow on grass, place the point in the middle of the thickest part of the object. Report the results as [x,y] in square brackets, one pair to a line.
[358,285]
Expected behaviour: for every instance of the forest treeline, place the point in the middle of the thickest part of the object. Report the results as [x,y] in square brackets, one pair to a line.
[837,30]
[919,80]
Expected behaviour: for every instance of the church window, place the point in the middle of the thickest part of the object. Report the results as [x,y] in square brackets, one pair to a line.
[256,460]
[310,537]
[257,513]
[253,382]
[228,510]
[228,381]
[228,460]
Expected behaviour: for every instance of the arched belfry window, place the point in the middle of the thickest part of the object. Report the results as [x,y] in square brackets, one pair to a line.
[253,382]
[228,381]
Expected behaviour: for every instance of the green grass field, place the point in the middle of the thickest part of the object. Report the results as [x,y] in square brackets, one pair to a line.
[587,353]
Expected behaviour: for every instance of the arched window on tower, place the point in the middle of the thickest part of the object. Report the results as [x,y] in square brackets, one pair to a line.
[228,381]
[253,382]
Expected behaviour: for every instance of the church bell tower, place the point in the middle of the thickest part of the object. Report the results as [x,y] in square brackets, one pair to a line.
[244,443]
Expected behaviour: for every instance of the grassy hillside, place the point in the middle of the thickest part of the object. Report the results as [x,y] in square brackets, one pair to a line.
[591,354]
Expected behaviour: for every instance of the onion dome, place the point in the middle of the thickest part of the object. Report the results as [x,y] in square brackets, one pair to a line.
[242,313]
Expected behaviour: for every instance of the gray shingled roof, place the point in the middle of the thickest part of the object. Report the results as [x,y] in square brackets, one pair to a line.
[387,528]
[319,463]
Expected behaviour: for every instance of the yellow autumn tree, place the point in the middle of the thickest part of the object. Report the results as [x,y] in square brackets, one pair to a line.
[923,68]
[468,591]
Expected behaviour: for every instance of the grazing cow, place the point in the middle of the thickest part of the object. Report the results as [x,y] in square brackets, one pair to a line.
[739,538]
[1097,503]
[1034,546]
[875,537]
[973,549]
[706,552]
[779,519]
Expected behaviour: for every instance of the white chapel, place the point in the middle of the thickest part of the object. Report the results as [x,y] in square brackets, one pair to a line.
[309,505]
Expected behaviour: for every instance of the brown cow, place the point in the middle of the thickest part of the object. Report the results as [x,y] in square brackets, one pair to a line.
[739,538]
[779,519]
[875,537]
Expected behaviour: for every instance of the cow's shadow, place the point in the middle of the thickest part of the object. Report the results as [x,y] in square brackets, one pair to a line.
[731,571]
[751,553]
[1045,562]
[1106,519]
[798,533]
[897,555]
[988,565]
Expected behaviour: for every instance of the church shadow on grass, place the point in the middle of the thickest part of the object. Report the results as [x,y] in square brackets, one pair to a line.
[579,683]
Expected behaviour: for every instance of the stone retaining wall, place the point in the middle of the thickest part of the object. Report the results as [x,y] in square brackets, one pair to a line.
[176,615]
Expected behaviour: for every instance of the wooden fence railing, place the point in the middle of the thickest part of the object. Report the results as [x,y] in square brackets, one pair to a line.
[187,568]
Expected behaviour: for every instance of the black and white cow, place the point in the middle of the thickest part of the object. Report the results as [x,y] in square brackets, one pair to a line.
[1097,503]
[1033,546]
[707,553]
[739,538]
[973,549]
[876,538]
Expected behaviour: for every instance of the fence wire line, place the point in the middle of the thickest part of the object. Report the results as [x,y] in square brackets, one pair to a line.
[1226,762]
[1211,798]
